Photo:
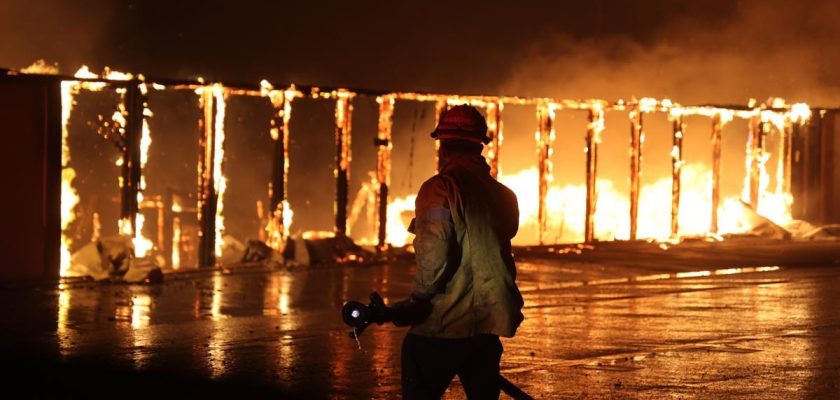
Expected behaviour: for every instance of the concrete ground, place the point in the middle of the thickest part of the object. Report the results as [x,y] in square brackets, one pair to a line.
[610,328]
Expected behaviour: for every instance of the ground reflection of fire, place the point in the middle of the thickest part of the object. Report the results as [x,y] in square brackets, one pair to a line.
[217,356]
[595,209]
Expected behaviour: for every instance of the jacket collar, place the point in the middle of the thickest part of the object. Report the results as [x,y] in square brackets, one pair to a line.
[474,163]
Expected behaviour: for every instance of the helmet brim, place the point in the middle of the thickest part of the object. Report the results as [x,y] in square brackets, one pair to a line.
[445,134]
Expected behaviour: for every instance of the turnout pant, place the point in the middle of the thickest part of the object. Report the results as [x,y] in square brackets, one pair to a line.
[429,364]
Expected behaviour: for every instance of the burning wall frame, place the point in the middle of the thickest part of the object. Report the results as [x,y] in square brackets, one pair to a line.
[790,120]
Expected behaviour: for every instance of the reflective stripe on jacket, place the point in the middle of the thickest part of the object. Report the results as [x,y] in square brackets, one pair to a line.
[464,221]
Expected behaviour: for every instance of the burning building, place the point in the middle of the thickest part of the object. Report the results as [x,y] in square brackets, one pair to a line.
[84,142]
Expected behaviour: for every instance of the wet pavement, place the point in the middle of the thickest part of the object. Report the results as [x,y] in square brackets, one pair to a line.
[592,330]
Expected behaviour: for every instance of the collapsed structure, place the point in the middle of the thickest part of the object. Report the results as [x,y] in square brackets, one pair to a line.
[805,169]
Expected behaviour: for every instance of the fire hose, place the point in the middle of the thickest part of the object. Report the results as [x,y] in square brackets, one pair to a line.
[359,316]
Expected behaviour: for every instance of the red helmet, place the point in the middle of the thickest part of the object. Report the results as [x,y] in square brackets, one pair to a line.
[462,122]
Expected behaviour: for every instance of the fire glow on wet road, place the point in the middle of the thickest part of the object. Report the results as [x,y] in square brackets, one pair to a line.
[593,332]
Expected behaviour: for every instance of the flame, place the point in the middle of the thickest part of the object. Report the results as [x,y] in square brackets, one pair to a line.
[176,242]
[566,204]
[542,202]
[85,73]
[214,96]
[397,230]
[116,75]
[800,113]
[69,196]
[97,228]
[275,239]
[219,179]
[41,67]
[142,244]
[134,229]
[567,207]
[315,235]
[281,100]
[288,214]
[69,200]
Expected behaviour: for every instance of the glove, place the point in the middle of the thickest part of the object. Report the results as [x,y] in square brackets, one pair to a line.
[379,312]
[410,311]
[404,313]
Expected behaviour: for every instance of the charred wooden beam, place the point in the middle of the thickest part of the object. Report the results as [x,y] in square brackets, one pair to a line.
[828,182]
[593,138]
[797,173]
[785,158]
[717,128]
[278,188]
[813,167]
[168,227]
[343,120]
[545,137]
[676,173]
[636,139]
[131,166]
[756,157]
[207,195]
[383,165]
[161,223]
[494,131]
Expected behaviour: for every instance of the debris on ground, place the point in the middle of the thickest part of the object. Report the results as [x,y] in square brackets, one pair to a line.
[112,258]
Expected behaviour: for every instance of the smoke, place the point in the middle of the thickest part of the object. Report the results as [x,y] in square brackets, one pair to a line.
[758,49]
[56,31]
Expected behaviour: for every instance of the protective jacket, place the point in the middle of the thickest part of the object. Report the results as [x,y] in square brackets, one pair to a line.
[464,221]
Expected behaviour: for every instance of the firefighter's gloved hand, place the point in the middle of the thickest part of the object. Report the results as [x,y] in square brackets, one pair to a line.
[410,311]
[379,312]
[404,313]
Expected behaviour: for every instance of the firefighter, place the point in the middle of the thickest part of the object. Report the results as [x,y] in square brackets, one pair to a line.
[464,294]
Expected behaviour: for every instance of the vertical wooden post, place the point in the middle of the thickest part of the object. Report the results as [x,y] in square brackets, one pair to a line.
[800,116]
[812,154]
[827,154]
[785,157]
[343,121]
[494,131]
[636,139]
[717,128]
[676,173]
[593,138]
[545,137]
[278,189]
[383,165]
[131,167]
[756,158]
[206,184]
[168,227]
[161,223]
[797,178]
